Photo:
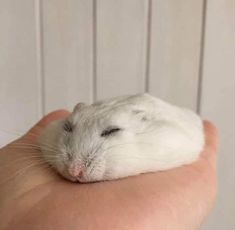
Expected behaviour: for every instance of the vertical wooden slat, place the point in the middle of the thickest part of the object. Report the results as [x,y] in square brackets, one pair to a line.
[19,91]
[121,47]
[67,49]
[217,103]
[175,50]
[94,49]
[39,48]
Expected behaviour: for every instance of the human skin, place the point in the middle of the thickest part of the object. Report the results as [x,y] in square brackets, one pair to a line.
[33,196]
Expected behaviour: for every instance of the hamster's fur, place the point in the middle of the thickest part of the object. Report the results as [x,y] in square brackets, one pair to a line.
[122,137]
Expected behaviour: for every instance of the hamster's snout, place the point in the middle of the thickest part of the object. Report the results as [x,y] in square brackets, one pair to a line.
[77,172]
[80,171]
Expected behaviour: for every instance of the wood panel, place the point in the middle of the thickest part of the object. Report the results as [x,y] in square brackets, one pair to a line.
[175,50]
[120,47]
[67,52]
[19,92]
[217,103]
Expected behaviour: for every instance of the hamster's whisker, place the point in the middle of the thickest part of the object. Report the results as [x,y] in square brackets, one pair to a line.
[39,146]
[22,171]
[21,147]
[50,150]
[30,133]
[54,147]
[25,144]
[36,135]
[48,145]
[33,164]
[28,148]
[21,133]
[24,159]
[32,146]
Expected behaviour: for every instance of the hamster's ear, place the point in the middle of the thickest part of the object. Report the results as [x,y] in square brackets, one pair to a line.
[141,115]
[79,107]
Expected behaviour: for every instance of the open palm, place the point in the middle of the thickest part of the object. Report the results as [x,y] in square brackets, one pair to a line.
[32,196]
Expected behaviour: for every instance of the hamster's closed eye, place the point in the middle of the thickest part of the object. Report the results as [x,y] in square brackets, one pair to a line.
[109,131]
[68,127]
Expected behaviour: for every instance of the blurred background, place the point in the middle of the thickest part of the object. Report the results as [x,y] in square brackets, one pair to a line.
[55,53]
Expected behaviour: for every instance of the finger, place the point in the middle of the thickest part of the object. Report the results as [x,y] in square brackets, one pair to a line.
[211,134]
[211,141]
[36,129]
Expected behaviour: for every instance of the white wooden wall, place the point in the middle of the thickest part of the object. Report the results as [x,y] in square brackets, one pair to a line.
[218,102]
[55,53]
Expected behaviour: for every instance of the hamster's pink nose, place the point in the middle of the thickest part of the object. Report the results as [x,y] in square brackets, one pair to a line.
[76,172]
[80,174]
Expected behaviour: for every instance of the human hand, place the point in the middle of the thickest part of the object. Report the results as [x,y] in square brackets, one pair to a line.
[32,196]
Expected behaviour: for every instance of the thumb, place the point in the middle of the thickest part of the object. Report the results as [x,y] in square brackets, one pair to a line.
[211,143]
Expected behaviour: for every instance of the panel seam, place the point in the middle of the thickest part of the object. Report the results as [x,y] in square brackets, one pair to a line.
[201,58]
[148,45]
[39,52]
[94,51]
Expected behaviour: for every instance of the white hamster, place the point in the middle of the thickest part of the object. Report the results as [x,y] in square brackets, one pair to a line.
[121,137]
